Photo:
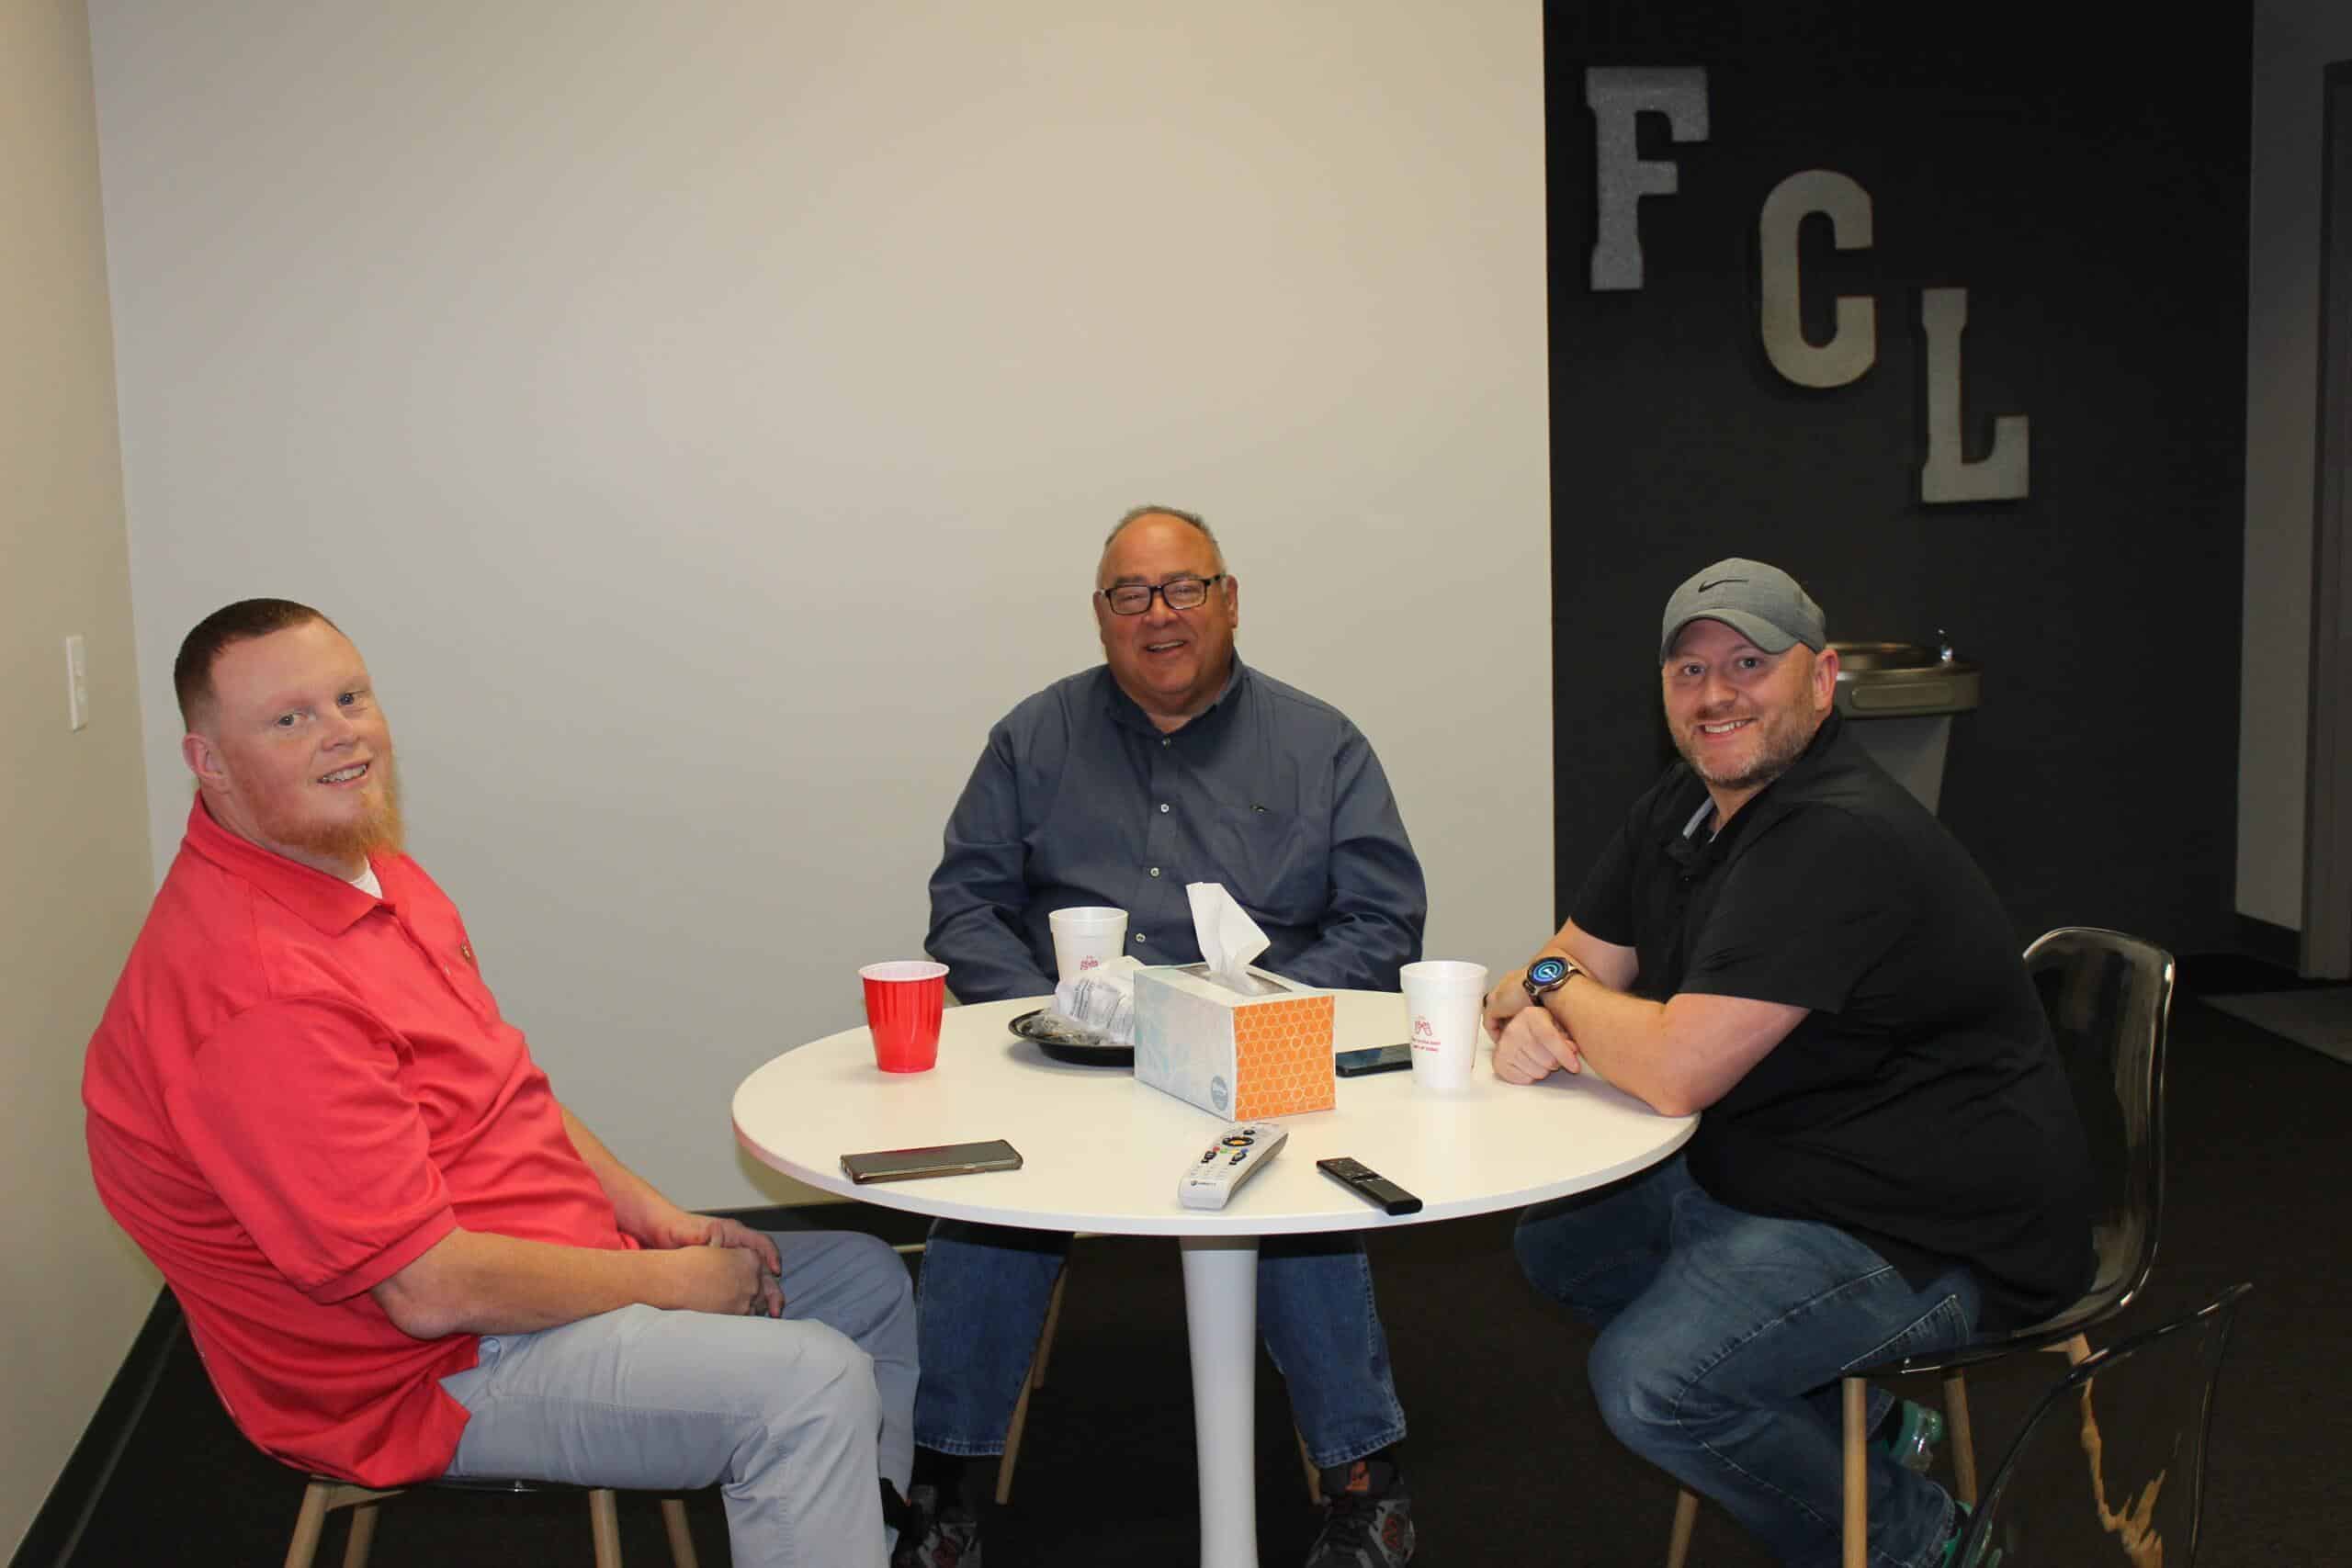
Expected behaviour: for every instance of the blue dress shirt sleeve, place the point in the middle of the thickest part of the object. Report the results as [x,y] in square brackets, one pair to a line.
[1379,904]
[980,891]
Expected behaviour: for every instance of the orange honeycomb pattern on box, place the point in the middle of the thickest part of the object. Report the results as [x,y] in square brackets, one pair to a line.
[1281,1056]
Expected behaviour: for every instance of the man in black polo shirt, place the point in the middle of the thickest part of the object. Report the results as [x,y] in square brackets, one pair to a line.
[1781,937]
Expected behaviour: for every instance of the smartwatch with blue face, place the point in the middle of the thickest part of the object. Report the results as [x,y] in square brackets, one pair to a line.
[1547,974]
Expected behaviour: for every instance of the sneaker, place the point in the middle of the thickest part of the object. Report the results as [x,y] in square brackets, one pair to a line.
[1917,1432]
[1367,1519]
[934,1537]
[1961,1516]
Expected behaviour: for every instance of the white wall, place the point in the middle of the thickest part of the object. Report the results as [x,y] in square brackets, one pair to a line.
[73,832]
[2293,42]
[705,418]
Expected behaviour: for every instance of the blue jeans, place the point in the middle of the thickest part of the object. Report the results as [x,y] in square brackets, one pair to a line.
[793,1419]
[982,1304]
[1723,1338]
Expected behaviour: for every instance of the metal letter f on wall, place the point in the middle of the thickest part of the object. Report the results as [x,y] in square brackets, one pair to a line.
[1616,97]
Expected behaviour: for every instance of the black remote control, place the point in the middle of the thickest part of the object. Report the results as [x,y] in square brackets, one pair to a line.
[1369,1185]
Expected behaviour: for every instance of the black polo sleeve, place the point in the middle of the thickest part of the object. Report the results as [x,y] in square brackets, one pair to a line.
[1808,906]
[1605,905]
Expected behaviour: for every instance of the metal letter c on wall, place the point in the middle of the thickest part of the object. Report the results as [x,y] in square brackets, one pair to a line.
[1853,348]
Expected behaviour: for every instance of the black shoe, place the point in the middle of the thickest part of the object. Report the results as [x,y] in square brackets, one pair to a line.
[1367,1519]
[934,1537]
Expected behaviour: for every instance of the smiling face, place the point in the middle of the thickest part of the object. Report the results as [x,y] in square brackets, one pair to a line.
[292,753]
[1171,662]
[1740,715]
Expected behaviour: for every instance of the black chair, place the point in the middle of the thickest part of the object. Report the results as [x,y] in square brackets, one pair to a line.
[325,1494]
[2110,1467]
[2108,998]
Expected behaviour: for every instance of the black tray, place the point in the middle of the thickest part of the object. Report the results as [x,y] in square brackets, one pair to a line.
[1066,1042]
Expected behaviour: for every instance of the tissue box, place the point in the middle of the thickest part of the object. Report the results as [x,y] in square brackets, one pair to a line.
[1241,1057]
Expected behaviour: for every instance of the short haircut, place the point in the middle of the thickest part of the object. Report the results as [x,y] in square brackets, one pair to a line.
[214,635]
[1178,513]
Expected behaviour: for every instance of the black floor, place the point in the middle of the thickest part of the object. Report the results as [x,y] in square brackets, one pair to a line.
[1509,1463]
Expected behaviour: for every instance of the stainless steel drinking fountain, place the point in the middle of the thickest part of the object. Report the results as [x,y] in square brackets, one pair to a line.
[1900,697]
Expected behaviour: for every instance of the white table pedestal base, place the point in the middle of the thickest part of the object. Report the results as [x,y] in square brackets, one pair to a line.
[1221,1319]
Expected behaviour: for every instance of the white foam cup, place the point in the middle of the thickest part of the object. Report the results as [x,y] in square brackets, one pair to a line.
[1085,937]
[1445,1001]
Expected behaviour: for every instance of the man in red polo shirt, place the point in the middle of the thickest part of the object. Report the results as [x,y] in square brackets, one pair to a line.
[400,1255]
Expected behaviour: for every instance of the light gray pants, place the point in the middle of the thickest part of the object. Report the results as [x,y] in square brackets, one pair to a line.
[792,1417]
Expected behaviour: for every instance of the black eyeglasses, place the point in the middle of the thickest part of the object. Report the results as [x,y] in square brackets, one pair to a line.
[1180,592]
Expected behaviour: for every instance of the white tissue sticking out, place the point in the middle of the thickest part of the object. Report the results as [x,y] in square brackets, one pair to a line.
[1102,1000]
[1230,941]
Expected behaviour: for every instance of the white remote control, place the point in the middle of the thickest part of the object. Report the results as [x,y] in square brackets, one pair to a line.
[1236,1156]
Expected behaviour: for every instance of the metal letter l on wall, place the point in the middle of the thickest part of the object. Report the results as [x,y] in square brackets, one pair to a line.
[1946,477]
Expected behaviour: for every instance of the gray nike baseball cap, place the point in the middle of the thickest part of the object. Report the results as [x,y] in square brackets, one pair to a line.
[1761,602]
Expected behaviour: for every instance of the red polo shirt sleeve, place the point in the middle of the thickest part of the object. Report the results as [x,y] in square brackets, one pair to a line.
[294,1112]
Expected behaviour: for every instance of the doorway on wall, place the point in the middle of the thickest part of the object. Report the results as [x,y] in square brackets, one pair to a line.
[2326,949]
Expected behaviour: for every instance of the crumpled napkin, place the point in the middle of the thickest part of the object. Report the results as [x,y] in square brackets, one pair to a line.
[1102,1000]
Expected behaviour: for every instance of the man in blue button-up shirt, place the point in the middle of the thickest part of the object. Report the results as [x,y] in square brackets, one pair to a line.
[1172,762]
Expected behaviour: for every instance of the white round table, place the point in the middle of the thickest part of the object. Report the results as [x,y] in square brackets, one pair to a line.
[1104,1153]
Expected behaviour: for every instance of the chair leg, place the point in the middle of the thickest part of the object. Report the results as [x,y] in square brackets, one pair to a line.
[1686,1514]
[1012,1446]
[307,1524]
[681,1544]
[604,1524]
[1857,1522]
[1963,1438]
[363,1535]
[1034,1381]
[1053,1322]
[322,1498]
[1314,1472]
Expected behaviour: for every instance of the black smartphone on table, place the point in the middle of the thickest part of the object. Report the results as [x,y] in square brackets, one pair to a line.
[1372,1059]
[938,1159]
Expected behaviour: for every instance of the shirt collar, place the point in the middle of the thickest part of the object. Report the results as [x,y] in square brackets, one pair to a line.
[1815,756]
[1126,711]
[329,903]
[1816,750]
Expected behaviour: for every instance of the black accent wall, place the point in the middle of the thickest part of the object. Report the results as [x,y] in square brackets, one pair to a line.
[2088,186]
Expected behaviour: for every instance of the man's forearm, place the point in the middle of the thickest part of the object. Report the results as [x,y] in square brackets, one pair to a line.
[1623,1034]
[986,960]
[1361,951]
[476,1282]
[1680,1055]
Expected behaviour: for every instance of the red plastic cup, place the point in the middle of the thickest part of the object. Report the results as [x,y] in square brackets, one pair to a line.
[903,1001]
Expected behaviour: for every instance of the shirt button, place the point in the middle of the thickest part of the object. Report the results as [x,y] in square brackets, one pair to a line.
[1140,937]
[1163,808]
[1155,871]
[1164,741]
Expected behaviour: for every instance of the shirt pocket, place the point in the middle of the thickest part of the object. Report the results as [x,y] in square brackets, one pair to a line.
[1276,865]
